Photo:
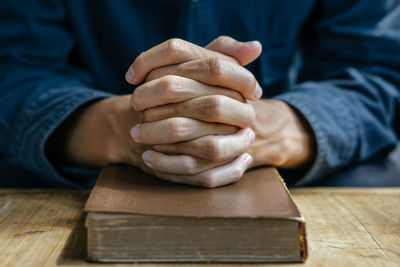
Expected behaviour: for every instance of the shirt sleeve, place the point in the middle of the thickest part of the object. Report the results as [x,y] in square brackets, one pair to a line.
[349,80]
[38,88]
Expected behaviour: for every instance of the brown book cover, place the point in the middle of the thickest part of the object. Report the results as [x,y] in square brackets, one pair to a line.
[133,216]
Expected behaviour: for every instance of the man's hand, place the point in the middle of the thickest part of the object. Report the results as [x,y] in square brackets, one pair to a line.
[208,87]
[189,90]
[98,134]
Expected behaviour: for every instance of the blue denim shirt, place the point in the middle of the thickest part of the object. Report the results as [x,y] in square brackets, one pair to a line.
[337,62]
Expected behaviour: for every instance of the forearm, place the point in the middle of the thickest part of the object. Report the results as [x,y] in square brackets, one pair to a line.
[29,121]
[84,139]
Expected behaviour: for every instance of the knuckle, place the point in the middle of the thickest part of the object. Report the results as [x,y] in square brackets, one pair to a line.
[213,149]
[213,107]
[170,85]
[278,157]
[178,128]
[176,46]
[209,181]
[190,166]
[220,41]
[215,69]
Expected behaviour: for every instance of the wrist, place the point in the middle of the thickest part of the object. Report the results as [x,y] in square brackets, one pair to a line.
[68,145]
[120,118]
[92,135]
[284,138]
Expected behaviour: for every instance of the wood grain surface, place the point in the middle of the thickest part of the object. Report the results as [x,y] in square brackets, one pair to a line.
[345,227]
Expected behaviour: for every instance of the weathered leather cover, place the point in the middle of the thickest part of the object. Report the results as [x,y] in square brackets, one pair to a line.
[259,193]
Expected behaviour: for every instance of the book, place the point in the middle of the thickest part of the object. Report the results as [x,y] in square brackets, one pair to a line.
[135,217]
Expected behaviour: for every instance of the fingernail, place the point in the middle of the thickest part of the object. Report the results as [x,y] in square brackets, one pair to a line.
[252,135]
[247,160]
[257,91]
[147,158]
[135,133]
[130,75]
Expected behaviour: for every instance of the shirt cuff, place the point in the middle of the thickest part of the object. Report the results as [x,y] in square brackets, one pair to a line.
[36,136]
[317,106]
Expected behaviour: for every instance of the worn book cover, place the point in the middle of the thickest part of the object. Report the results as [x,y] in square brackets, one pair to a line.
[135,217]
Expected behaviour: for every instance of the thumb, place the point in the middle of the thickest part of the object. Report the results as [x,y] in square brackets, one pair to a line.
[243,52]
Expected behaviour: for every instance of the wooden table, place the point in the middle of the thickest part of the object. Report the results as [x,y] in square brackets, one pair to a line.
[344,227]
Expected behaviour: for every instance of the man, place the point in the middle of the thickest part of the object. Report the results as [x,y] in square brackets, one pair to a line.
[319,90]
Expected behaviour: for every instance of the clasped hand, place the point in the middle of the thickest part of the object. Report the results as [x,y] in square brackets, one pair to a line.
[195,111]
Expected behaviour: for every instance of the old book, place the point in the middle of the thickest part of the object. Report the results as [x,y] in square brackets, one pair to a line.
[134,217]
